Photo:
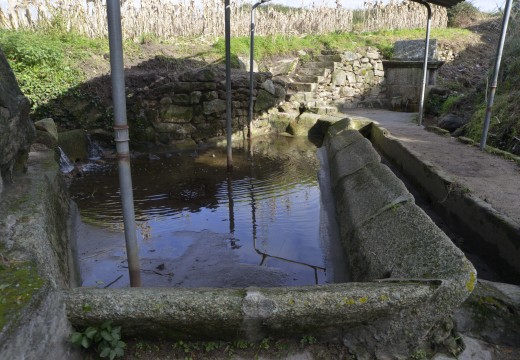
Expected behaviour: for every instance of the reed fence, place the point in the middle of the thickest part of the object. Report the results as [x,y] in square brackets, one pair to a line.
[166,19]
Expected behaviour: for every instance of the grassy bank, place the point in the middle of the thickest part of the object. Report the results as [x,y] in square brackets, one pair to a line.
[49,62]
[504,131]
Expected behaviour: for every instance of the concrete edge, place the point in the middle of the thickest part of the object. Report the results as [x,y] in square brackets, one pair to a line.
[459,207]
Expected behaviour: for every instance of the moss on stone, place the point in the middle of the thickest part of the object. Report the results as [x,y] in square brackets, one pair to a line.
[18,283]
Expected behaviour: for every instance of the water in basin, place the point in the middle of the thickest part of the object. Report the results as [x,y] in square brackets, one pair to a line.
[266,224]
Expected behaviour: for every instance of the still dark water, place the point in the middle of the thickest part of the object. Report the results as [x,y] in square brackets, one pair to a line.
[268,224]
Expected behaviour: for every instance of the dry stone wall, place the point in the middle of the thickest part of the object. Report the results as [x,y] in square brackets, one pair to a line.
[358,79]
[191,107]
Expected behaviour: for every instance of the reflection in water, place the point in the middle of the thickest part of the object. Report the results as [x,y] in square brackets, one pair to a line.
[191,212]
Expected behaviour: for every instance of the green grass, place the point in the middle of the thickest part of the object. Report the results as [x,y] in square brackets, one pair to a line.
[267,46]
[46,64]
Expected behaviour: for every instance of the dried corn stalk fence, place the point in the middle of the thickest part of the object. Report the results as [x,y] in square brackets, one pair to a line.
[166,18]
[401,15]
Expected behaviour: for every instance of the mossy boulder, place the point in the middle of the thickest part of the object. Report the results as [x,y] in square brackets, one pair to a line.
[74,144]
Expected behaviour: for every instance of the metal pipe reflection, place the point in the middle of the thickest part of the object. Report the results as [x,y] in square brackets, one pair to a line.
[264,254]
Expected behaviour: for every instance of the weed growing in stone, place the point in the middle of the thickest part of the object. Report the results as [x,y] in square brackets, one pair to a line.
[105,340]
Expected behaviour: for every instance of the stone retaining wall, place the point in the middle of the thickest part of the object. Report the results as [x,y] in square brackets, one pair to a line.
[358,80]
[34,235]
[408,277]
[191,107]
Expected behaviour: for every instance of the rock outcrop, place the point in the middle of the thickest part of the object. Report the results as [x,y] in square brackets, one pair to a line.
[16,129]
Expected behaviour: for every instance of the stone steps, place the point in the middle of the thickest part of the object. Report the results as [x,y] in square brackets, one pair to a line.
[323,110]
[310,78]
[319,65]
[303,87]
[329,58]
[313,71]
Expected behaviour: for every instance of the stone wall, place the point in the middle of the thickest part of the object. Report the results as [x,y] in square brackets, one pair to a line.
[16,129]
[191,107]
[349,79]
[358,80]
[34,232]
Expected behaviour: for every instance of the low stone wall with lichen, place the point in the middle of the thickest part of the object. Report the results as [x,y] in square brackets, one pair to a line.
[36,263]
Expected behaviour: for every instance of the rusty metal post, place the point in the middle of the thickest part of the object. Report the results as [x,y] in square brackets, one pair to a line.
[425,68]
[494,83]
[121,138]
[229,130]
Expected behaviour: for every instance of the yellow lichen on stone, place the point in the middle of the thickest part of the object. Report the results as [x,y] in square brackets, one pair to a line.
[349,301]
[383,297]
[363,300]
[470,285]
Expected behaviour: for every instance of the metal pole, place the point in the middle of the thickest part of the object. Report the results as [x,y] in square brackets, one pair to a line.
[425,69]
[251,62]
[121,138]
[494,83]
[228,85]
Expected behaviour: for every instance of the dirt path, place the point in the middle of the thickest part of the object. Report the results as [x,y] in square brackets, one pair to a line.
[491,178]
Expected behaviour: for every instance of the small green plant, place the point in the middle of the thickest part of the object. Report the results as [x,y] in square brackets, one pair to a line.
[420,355]
[264,344]
[106,340]
[240,344]
[308,340]
[211,346]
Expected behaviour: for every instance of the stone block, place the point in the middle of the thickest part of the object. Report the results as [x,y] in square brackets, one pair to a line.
[403,242]
[414,50]
[176,113]
[74,144]
[279,122]
[339,77]
[264,101]
[268,86]
[214,106]
[366,193]
[49,126]
[283,67]
[307,120]
[348,56]
[181,99]
[352,157]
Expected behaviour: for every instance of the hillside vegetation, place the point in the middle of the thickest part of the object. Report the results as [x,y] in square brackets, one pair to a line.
[53,55]
[504,132]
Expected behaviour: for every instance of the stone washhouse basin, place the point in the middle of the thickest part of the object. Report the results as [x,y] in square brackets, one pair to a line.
[407,275]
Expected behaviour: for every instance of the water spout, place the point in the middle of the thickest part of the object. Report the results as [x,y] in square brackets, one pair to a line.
[94,151]
[66,166]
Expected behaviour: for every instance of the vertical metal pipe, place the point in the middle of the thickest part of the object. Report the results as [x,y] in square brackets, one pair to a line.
[228,85]
[425,68]
[251,62]
[494,83]
[121,138]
